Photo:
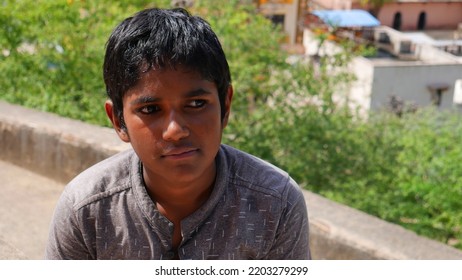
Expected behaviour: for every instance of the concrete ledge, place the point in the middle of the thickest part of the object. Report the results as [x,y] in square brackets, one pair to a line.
[341,232]
[56,147]
[60,148]
[8,252]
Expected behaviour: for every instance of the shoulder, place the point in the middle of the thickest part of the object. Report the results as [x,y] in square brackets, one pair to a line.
[248,171]
[103,179]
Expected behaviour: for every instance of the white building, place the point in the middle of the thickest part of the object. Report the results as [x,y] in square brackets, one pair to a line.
[413,69]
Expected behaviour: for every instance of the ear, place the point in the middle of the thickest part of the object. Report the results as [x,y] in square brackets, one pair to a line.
[121,131]
[227,107]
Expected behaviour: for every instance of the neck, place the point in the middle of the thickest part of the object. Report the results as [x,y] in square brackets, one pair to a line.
[183,197]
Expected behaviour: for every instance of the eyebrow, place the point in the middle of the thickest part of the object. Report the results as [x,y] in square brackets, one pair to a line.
[198,92]
[152,99]
[144,99]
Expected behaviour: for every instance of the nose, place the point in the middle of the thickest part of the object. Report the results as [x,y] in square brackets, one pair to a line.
[175,128]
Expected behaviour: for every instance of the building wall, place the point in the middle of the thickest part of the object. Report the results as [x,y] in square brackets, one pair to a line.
[410,83]
[333,4]
[361,89]
[438,15]
[376,84]
[380,79]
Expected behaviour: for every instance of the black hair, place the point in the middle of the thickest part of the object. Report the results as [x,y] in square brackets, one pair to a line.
[157,39]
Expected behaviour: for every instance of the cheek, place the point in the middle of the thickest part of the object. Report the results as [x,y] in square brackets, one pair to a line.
[141,134]
[209,126]
[211,118]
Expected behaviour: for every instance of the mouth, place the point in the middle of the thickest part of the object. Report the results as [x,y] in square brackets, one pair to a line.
[180,153]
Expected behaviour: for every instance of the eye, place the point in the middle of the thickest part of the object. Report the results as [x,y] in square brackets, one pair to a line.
[149,109]
[197,103]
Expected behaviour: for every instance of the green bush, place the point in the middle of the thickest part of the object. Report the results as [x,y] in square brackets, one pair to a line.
[52,52]
[428,182]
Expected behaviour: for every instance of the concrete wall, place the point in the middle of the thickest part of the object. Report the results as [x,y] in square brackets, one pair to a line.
[8,252]
[361,88]
[410,82]
[55,147]
[60,148]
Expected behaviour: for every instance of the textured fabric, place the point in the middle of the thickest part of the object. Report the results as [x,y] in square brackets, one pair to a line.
[255,211]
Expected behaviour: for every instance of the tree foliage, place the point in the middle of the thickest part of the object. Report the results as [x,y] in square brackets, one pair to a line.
[52,51]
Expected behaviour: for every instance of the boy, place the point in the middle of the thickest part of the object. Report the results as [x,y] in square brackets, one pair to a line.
[179,193]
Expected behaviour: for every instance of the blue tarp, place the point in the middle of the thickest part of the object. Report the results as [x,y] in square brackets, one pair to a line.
[347,18]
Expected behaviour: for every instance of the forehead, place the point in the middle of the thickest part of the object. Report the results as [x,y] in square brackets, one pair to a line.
[171,80]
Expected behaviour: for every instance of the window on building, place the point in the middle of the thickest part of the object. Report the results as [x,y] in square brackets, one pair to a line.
[422,21]
[437,97]
[397,21]
[277,19]
[436,91]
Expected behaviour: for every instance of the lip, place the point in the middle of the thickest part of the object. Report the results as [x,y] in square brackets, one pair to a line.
[180,153]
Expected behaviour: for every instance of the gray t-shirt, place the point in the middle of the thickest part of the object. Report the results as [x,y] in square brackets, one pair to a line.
[255,211]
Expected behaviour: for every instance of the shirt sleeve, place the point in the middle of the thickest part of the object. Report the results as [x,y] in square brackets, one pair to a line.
[65,239]
[292,237]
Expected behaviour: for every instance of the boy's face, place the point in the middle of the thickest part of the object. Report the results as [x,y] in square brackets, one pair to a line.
[173,121]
